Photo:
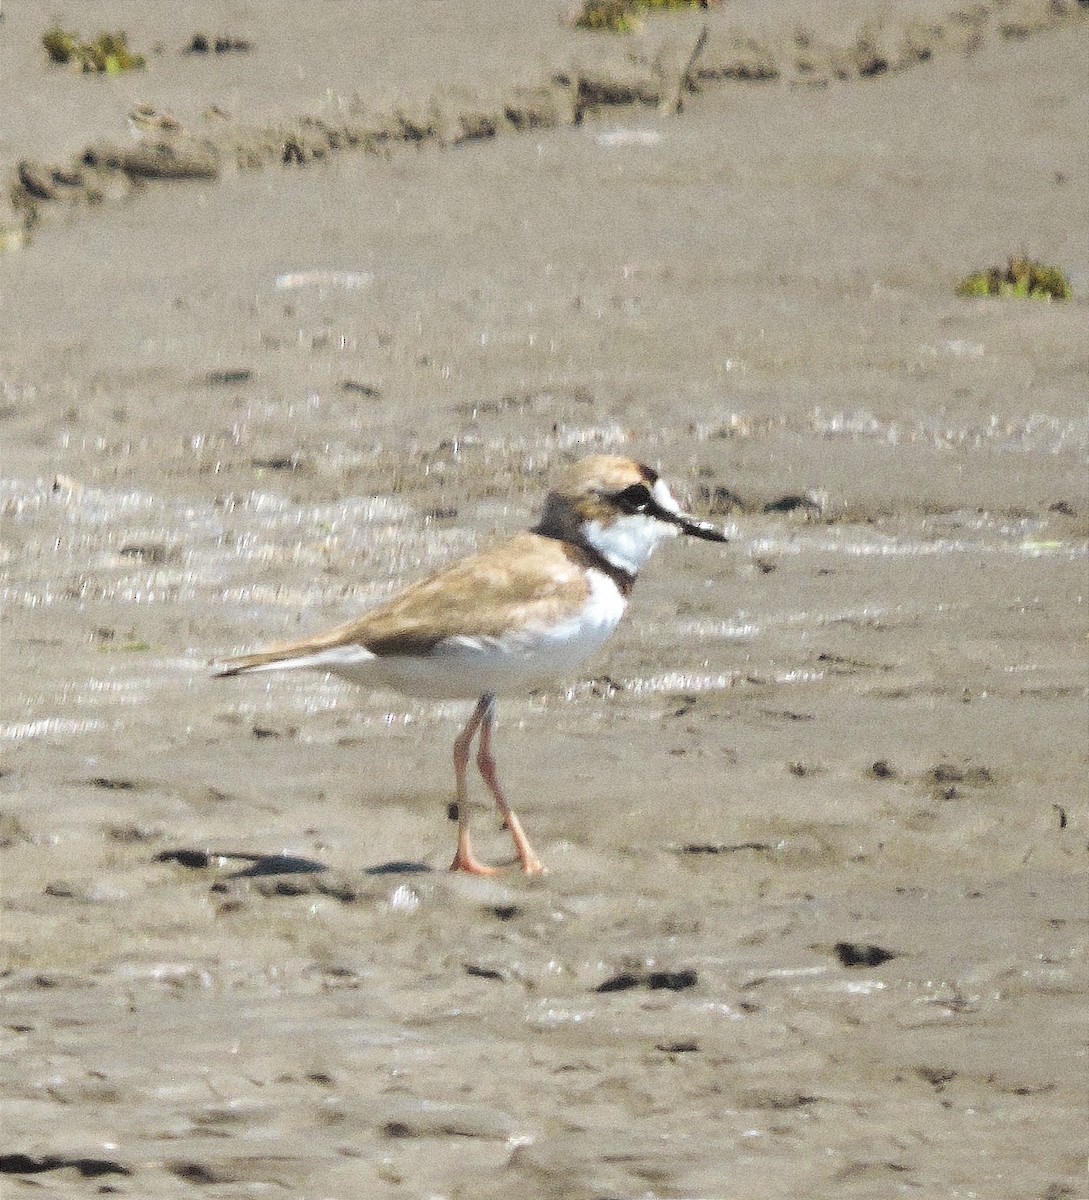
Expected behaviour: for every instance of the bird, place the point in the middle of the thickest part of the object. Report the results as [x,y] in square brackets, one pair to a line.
[505,620]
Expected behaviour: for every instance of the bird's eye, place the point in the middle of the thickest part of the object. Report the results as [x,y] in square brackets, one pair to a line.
[633,499]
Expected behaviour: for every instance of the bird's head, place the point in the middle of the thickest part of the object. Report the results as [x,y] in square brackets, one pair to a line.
[619,508]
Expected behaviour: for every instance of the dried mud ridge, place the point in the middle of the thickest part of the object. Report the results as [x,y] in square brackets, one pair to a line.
[613,72]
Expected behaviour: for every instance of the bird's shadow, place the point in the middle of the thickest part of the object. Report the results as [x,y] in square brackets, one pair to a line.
[275,864]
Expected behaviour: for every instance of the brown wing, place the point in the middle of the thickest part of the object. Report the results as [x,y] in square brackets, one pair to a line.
[530,579]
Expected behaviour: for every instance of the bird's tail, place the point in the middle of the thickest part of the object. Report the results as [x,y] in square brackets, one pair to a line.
[275,658]
[332,651]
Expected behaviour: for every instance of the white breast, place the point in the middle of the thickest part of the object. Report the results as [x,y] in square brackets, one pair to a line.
[520,659]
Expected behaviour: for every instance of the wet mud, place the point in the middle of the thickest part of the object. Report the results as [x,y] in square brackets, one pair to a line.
[815,922]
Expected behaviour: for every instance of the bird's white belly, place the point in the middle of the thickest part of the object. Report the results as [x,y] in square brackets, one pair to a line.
[518,660]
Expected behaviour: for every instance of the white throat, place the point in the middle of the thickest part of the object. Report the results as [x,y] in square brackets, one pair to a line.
[627,541]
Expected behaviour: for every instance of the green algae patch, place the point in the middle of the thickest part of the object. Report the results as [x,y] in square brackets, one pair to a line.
[612,16]
[106,54]
[624,16]
[672,5]
[1022,278]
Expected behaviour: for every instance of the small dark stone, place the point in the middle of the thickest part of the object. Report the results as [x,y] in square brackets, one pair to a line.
[482,972]
[232,45]
[229,375]
[678,1047]
[623,982]
[862,954]
[673,981]
[506,912]
[88,1168]
[882,769]
[198,1173]
[792,503]
[194,859]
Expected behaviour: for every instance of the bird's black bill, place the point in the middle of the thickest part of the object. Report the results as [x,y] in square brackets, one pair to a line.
[699,529]
[686,524]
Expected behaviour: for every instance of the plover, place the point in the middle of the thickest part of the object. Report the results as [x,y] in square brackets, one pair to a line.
[505,620]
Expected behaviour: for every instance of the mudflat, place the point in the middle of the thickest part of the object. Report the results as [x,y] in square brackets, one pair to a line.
[816,817]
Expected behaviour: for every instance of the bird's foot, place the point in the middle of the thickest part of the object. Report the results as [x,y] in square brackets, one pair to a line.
[472,865]
[466,861]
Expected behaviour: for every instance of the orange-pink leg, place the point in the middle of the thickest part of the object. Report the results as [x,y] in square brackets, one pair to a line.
[483,718]
[527,856]
[464,859]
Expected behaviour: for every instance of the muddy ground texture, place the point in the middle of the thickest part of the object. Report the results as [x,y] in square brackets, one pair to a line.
[816,817]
